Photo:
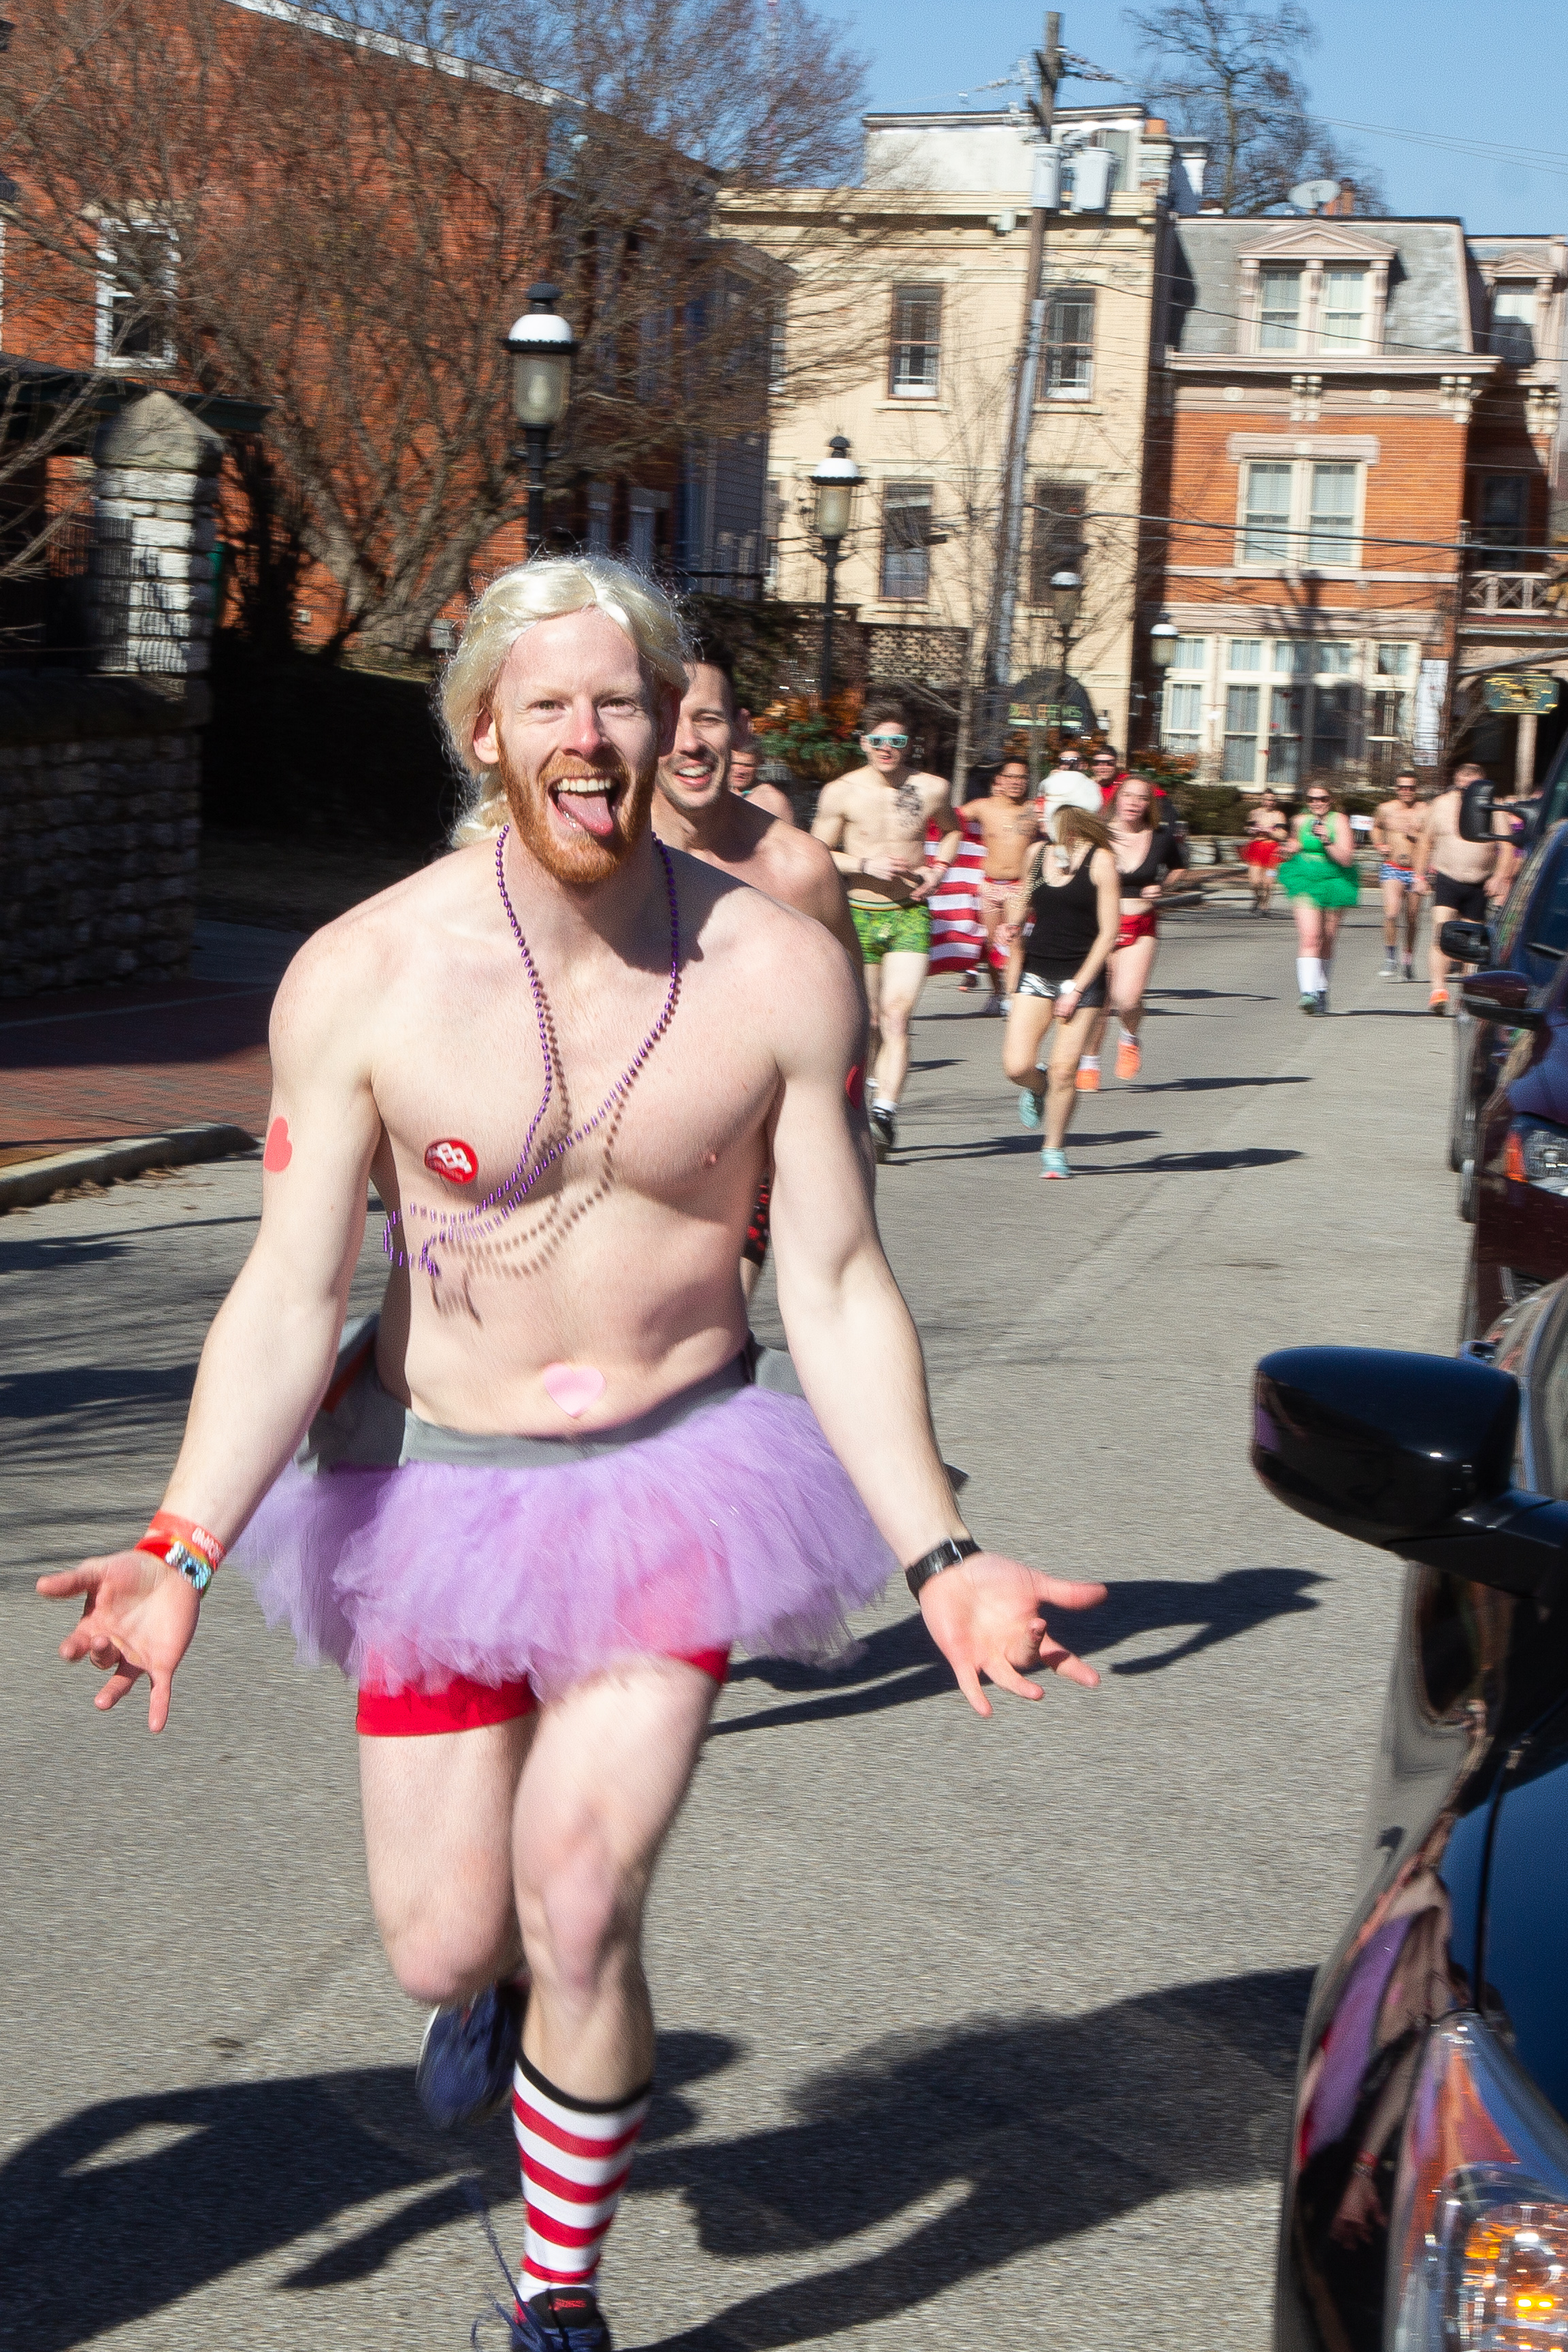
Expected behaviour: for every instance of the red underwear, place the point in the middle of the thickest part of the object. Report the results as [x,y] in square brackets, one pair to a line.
[1138,926]
[464,1706]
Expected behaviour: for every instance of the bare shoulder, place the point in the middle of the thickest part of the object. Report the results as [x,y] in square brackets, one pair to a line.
[794,857]
[768,947]
[349,966]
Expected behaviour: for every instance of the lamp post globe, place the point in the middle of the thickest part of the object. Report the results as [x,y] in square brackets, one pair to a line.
[1162,641]
[1067,593]
[836,480]
[542,347]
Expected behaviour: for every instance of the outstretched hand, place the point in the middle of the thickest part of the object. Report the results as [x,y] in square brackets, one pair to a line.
[138,1617]
[986,1617]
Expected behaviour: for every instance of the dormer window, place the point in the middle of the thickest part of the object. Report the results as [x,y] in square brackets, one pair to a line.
[1344,310]
[1513,323]
[1317,288]
[1279,311]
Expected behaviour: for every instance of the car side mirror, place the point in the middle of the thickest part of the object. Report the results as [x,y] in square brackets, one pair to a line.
[1411,1453]
[1476,803]
[1502,996]
[1465,942]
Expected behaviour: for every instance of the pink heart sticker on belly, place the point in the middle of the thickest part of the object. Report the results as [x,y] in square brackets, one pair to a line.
[573,1387]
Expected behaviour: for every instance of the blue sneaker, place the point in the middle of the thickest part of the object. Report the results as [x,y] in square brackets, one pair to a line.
[561,2319]
[1054,1163]
[1029,1106]
[469,2055]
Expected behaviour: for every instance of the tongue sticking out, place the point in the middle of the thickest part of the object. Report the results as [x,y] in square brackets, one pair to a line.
[591,811]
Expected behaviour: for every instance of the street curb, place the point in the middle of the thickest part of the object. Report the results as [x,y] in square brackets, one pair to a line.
[33,1180]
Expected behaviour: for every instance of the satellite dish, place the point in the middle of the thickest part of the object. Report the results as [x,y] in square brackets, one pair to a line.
[1311,194]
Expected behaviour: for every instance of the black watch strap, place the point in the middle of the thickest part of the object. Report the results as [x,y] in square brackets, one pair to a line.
[946,1554]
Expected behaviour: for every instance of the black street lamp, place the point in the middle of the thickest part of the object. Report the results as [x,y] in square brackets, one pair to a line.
[1164,638]
[542,347]
[836,479]
[1067,594]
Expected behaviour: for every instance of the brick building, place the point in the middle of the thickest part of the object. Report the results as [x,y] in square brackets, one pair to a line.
[170,158]
[1334,423]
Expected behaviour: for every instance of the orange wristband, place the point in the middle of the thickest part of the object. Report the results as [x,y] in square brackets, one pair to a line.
[168,1527]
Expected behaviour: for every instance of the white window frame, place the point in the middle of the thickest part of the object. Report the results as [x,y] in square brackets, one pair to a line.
[1306,684]
[1297,558]
[104,353]
[1078,292]
[933,291]
[1314,250]
[1517,285]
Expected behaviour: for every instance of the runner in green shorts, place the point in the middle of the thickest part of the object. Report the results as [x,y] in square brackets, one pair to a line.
[875,822]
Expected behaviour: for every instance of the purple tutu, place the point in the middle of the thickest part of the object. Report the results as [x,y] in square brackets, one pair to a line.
[736,1528]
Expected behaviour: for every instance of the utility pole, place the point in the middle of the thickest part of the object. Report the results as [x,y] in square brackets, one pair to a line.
[1049,66]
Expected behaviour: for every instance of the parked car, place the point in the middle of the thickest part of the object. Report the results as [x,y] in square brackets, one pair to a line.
[1518,1167]
[1425,2195]
[1527,937]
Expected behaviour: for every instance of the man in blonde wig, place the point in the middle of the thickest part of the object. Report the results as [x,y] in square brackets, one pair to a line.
[538,1501]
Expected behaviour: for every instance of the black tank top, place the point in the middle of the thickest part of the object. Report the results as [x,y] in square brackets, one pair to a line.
[1066,919]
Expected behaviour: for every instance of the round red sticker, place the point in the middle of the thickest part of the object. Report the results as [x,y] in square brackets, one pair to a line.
[451,1158]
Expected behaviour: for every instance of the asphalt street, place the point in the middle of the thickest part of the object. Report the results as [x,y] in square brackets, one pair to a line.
[975,2033]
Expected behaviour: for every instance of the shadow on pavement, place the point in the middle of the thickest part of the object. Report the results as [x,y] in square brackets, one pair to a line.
[125,2207]
[1212,1085]
[1029,2127]
[1198,1163]
[896,1665]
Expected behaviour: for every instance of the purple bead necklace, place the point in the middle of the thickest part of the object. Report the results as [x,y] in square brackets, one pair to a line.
[487,1217]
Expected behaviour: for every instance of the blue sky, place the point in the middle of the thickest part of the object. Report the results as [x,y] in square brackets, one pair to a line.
[1489,78]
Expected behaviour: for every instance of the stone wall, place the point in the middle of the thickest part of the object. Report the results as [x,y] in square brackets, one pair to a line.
[101,768]
[99,831]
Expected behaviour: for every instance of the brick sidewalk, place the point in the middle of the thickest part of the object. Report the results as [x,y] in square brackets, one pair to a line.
[96,1066]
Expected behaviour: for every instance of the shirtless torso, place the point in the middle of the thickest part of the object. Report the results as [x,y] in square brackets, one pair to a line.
[1397,826]
[1008,824]
[1445,850]
[874,822]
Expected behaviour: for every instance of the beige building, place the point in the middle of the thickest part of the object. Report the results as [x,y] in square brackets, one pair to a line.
[903,328]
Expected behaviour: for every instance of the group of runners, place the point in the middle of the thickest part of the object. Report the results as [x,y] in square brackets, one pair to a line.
[1422,854]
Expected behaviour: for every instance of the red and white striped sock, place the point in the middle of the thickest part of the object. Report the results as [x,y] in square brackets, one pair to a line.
[575,2154]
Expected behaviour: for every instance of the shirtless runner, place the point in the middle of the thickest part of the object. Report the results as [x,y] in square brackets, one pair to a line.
[745,763]
[1468,878]
[562,1055]
[694,809]
[874,819]
[1007,823]
[1396,829]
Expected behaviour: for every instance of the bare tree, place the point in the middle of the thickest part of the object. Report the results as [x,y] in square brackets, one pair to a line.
[1229,73]
[333,211]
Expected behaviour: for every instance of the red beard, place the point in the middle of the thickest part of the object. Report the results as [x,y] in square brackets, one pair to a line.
[578,857]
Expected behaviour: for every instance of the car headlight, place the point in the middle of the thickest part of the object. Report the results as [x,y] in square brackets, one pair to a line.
[1536,1153]
[1479,2237]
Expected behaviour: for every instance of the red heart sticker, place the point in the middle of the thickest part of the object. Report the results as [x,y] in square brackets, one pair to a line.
[451,1158]
[278,1150]
[854,1087]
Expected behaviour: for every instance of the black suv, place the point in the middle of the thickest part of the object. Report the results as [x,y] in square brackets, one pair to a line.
[1529,936]
[1425,2202]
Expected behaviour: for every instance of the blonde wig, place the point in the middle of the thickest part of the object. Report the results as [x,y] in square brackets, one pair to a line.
[546,589]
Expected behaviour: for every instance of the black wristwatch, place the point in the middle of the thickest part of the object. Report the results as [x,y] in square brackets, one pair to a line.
[946,1554]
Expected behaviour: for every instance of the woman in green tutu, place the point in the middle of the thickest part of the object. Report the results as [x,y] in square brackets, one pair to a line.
[1319,876]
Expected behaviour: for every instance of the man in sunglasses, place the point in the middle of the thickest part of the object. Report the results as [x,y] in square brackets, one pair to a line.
[875,822]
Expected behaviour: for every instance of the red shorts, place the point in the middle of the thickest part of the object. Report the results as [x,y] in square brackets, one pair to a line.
[1138,926]
[1262,852]
[463,1705]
